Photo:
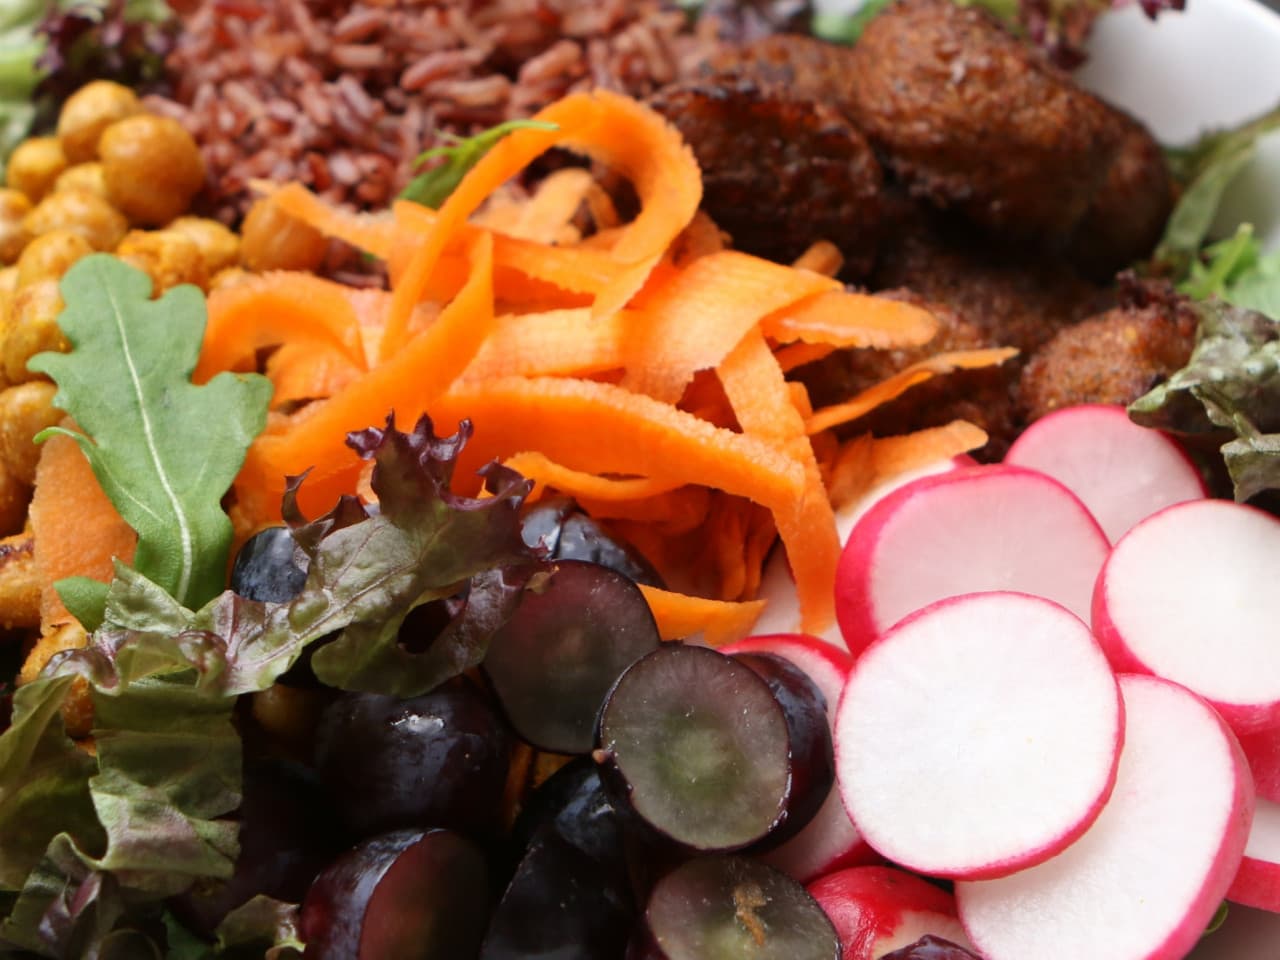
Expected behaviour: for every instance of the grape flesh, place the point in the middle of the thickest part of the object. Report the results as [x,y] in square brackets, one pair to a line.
[696,745]
[411,895]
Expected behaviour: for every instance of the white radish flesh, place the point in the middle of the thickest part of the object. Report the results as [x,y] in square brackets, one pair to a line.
[1146,879]
[1257,883]
[978,736]
[1187,595]
[829,841]
[980,528]
[1123,472]
[777,586]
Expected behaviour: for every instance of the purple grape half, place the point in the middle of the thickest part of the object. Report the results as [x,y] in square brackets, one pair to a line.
[733,908]
[578,626]
[409,894]
[697,746]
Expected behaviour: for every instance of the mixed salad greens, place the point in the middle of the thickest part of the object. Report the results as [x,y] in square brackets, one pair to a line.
[94,844]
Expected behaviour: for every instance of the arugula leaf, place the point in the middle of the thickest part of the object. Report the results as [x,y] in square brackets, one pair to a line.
[164,450]
[457,156]
[1230,388]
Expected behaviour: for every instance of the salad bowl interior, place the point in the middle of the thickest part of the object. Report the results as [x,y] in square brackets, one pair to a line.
[1214,65]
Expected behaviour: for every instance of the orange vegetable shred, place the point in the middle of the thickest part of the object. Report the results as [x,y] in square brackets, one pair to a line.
[639,366]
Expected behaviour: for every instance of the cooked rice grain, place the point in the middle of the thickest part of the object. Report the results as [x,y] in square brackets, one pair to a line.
[342,96]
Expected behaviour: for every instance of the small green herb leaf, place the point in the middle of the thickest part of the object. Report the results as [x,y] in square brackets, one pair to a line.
[1207,168]
[164,450]
[458,155]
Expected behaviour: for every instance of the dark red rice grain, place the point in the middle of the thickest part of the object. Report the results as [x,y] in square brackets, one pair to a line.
[342,96]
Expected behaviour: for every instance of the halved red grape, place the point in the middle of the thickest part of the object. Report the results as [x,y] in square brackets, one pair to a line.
[930,947]
[578,626]
[559,528]
[697,745]
[409,894]
[732,908]
[437,760]
[812,758]
[561,903]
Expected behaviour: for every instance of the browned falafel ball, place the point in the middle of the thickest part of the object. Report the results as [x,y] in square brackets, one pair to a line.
[1114,357]
[1127,215]
[779,173]
[974,119]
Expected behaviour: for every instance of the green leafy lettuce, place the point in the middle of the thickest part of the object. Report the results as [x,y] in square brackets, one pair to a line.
[164,450]
[1229,388]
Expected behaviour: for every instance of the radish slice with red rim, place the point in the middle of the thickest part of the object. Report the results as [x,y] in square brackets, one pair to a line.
[1122,471]
[982,528]
[830,841]
[1257,882]
[1146,879]
[1186,595]
[979,736]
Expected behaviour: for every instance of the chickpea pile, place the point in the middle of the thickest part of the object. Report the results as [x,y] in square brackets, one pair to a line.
[113,178]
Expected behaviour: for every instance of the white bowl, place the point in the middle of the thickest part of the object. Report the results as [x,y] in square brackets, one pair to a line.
[1214,65]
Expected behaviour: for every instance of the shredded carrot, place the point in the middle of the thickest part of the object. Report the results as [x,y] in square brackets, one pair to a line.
[276,308]
[372,233]
[640,369]
[692,322]
[893,455]
[553,342]
[763,404]
[406,383]
[547,473]
[822,257]
[903,380]
[77,531]
[842,318]
[618,131]
[717,622]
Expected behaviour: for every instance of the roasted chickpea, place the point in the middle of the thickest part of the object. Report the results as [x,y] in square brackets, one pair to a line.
[14,205]
[167,256]
[15,496]
[152,167]
[88,112]
[272,240]
[219,247]
[82,212]
[83,176]
[230,277]
[50,255]
[25,410]
[33,328]
[34,165]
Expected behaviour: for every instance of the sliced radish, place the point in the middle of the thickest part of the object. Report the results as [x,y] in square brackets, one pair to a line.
[777,586]
[978,736]
[1187,595]
[877,910]
[1262,750]
[1146,879]
[980,528]
[830,841]
[1122,472]
[1257,883]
